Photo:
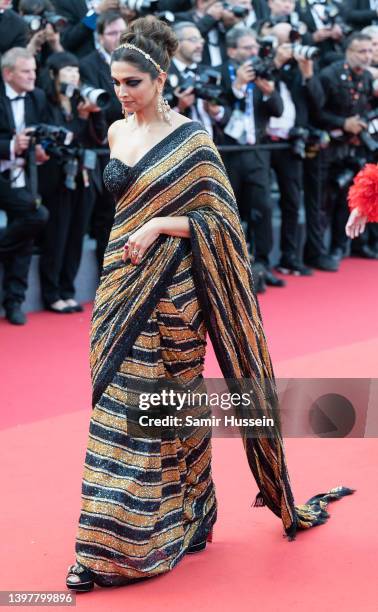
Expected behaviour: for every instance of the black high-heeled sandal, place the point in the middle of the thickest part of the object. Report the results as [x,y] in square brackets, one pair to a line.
[198,546]
[86,582]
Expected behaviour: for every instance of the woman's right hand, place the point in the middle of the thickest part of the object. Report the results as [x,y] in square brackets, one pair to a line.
[356,224]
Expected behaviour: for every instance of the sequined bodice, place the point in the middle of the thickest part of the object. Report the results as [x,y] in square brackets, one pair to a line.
[116,174]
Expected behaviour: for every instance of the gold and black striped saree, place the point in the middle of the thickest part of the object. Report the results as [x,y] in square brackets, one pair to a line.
[146,500]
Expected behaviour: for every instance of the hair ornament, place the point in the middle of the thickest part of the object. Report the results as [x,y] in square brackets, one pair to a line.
[146,55]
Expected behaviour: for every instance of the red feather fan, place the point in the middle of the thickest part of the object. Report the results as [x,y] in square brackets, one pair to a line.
[363,194]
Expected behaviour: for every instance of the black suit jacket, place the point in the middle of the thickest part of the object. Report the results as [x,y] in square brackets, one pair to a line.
[338,100]
[96,72]
[13,31]
[359,14]
[35,112]
[263,109]
[76,37]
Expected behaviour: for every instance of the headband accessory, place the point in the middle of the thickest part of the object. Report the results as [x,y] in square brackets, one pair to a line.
[146,55]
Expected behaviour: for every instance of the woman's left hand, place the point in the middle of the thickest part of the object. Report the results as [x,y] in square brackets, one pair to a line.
[140,240]
[356,224]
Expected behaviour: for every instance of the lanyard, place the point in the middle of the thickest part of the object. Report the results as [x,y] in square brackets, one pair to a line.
[249,96]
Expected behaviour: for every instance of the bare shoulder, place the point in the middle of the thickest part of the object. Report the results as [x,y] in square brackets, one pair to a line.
[178,119]
[114,130]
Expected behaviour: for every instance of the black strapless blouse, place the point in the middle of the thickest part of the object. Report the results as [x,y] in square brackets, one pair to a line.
[116,175]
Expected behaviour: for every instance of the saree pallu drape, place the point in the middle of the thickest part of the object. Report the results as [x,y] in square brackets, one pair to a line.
[184,176]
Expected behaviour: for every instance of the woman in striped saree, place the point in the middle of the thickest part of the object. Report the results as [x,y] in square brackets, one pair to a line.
[149,500]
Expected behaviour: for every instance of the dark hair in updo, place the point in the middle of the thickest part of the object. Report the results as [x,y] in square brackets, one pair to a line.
[154,37]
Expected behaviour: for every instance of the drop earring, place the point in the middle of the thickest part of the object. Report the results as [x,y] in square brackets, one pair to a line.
[164,109]
[126,114]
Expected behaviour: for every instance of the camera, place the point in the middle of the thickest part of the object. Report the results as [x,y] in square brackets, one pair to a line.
[57,141]
[333,17]
[317,140]
[366,138]
[306,142]
[50,136]
[39,22]
[98,97]
[262,63]
[305,51]
[239,11]
[344,179]
[206,85]
[263,69]
[301,51]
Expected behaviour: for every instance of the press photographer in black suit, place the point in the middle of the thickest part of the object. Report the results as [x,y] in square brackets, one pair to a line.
[43,38]
[21,105]
[95,70]
[13,29]
[207,17]
[186,66]
[349,94]
[302,96]
[327,32]
[78,36]
[214,18]
[82,15]
[253,100]
[65,181]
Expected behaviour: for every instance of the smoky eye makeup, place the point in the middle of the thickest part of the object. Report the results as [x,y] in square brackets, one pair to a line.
[128,82]
[133,82]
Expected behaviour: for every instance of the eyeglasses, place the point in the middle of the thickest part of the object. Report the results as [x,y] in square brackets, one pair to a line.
[248,47]
[114,33]
[194,39]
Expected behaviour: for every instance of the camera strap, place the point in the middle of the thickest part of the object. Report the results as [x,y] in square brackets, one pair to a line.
[33,176]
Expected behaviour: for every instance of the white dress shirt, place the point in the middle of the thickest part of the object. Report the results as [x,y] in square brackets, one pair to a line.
[15,164]
[281,126]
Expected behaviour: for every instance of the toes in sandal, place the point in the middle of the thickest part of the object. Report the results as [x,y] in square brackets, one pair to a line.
[86,579]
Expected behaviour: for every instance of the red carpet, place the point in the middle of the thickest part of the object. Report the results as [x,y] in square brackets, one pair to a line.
[321,326]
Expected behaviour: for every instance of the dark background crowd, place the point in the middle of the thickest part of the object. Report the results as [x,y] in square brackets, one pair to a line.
[287,90]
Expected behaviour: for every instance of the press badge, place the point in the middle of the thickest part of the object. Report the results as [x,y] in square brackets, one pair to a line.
[235,128]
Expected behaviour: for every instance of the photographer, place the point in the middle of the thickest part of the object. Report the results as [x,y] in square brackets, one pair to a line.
[279,11]
[207,18]
[302,96]
[254,100]
[190,97]
[44,28]
[82,16]
[13,29]
[327,28]
[21,105]
[78,36]
[349,95]
[65,181]
[95,70]
[95,67]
